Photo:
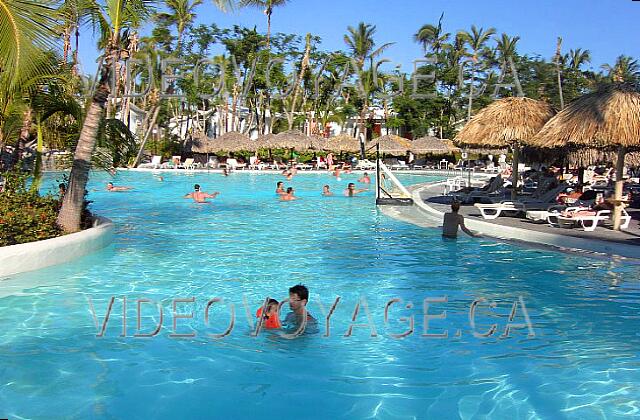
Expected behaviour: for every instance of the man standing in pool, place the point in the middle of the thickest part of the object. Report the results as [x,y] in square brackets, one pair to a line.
[200,196]
[299,316]
[452,221]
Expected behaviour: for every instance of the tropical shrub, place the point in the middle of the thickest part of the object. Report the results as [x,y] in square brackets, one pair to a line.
[26,216]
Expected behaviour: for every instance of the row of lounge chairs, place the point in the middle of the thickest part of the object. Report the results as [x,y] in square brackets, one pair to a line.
[540,206]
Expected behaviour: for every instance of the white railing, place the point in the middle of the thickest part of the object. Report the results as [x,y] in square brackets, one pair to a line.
[384,169]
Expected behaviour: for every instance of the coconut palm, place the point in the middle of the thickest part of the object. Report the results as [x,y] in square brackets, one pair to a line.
[182,14]
[432,36]
[476,40]
[506,47]
[578,57]
[268,6]
[626,69]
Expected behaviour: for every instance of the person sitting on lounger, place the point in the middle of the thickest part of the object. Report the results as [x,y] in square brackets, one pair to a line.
[113,188]
[200,196]
[452,221]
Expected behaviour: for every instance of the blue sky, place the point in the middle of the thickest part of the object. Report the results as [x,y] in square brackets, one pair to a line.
[607,28]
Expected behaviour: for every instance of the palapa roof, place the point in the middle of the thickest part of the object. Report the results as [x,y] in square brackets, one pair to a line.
[342,143]
[228,142]
[293,139]
[505,122]
[608,118]
[390,144]
[430,144]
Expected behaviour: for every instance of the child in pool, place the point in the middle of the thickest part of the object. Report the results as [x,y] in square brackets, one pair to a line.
[271,318]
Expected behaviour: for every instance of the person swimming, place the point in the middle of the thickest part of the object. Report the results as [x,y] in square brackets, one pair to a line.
[326,191]
[280,188]
[271,317]
[113,188]
[200,196]
[336,173]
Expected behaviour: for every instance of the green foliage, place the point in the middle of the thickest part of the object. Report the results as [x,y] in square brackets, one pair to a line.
[25,216]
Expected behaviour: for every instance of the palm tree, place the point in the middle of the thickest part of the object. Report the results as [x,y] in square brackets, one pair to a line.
[626,69]
[268,6]
[25,38]
[506,47]
[431,36]
[182,14]
[476,39]
[578,57]
[362,45]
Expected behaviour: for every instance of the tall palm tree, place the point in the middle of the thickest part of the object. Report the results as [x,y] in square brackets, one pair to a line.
[363,47]
[432,36]
[506,47]
[182,14]
[268,6]
[578,57]
[476,40]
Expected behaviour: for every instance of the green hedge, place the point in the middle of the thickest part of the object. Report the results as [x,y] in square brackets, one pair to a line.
[26,216]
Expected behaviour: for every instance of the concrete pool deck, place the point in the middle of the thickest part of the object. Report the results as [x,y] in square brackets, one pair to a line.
[430,206]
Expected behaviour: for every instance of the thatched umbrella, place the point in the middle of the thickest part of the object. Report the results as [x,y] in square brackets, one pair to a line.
[342,143]
[391,144]
[608,119]
[430,144]
[293,139]
[507,122]
[232,142]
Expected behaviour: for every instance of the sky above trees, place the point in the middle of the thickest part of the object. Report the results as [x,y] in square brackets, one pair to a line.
[608,28]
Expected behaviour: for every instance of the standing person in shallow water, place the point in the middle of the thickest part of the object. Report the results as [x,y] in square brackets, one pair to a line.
[452,221]
[365,179]
[351,190]
[289,195]
[200,196]
[298,299]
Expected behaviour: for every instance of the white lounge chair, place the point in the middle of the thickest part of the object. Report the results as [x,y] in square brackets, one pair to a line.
[493,211]
[233,164]
[188,164]
[588,222]
[400,165]
[156,162]
[365,165]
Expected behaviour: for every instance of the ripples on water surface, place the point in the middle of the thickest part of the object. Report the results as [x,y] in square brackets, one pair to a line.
[582,363]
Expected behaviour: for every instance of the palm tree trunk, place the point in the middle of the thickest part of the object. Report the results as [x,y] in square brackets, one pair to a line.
[269,28]
[473,79]
[146,135]
[73,203]
[558,46]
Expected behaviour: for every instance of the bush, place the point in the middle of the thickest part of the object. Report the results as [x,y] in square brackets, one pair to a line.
[26,216]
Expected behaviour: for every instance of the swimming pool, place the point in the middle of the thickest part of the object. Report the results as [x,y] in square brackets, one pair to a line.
[582,362]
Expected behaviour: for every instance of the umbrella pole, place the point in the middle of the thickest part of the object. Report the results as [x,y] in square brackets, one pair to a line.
[514,172]
[617,210]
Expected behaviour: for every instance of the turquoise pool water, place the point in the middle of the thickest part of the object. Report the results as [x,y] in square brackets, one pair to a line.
[582,363]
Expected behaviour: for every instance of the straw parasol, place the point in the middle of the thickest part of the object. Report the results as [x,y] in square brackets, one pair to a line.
[430,144]
[391,144]
[342,143]
[608,119]
[507,122]
[230,142]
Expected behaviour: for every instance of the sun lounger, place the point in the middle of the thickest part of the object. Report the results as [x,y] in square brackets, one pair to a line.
[492,188]
[233,164]
[364,165]
[493,211]
[589,222]
[400,165]
[156,162]
[188,164]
